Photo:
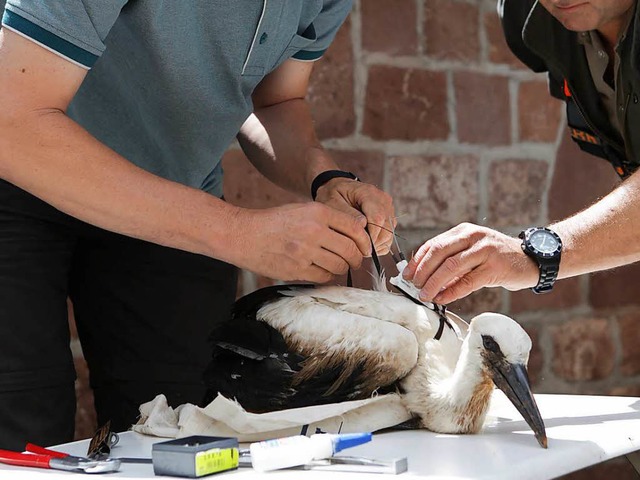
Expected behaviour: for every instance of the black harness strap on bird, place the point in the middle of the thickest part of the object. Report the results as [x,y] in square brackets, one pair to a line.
[441,310]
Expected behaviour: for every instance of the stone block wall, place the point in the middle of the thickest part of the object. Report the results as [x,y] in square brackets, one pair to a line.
[424,99]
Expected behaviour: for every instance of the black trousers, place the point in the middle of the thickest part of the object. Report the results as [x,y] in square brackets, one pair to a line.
[144,313]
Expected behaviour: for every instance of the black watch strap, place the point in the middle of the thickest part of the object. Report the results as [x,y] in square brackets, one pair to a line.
[324,177]
[548,275]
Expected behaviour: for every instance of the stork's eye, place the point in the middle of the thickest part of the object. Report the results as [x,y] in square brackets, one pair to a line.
[490,344]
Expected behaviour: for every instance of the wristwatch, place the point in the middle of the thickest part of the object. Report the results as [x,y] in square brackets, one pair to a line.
[544,247]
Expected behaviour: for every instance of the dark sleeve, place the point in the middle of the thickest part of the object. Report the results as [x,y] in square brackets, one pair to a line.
[514,14]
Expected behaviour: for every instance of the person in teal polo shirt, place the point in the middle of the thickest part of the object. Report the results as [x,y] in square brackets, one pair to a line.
[115,115]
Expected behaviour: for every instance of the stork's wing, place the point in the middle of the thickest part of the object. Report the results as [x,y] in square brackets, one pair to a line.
[304,352]
[340,329]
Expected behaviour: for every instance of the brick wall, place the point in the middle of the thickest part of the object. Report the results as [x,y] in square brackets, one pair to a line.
[423,98]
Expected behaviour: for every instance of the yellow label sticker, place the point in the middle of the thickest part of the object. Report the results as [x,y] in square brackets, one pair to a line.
[216,460]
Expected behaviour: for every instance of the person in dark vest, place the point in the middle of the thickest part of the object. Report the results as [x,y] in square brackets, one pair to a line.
[590,50]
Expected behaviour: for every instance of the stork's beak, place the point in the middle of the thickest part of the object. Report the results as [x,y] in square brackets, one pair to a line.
[513,380]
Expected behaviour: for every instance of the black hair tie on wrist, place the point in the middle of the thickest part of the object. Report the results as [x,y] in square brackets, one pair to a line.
[324,177]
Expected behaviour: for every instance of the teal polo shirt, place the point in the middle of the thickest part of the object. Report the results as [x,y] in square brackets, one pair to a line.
[170,81]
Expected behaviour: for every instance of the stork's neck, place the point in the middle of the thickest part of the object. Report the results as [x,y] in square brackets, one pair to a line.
[470,382]
[450,400]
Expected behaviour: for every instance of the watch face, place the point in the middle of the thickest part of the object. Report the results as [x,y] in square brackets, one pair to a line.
[543,241]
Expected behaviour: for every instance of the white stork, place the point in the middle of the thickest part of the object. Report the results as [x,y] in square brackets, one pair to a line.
[299,345]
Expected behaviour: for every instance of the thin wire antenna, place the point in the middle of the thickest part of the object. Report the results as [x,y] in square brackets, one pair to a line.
[400,255]
[395,240]
[380,227]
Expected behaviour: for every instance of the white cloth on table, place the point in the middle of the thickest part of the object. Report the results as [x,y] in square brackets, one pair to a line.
[226,418]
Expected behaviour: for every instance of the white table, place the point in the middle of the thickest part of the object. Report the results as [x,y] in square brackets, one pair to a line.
[582,431]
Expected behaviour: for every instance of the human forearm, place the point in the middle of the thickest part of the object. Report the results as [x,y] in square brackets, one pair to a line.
[281,142]
[604,235]
[49,155]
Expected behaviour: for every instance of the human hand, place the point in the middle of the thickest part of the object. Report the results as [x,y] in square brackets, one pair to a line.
[357,198]
[309,242]
[466,258]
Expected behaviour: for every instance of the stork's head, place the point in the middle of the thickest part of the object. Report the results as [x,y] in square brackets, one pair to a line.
[504,348]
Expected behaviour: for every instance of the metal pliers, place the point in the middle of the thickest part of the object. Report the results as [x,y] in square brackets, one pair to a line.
[45,458]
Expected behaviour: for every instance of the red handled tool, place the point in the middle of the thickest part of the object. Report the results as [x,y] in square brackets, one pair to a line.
[45,458]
